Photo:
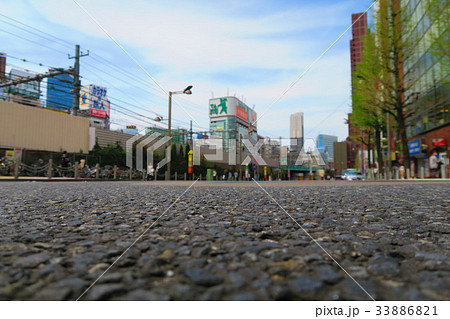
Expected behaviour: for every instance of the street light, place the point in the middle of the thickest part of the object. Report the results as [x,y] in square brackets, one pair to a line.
[169,124]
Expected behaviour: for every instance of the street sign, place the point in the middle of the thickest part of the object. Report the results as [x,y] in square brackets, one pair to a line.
[190,162]
[414,147]
[439,142]
[254,166]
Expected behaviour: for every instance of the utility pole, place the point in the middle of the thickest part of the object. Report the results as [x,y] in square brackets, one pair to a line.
[76,79]
[240,155]
[169,132]
[388,161]
[279,161]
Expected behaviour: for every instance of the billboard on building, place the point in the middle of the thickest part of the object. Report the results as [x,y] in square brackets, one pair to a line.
[93,98]
[231,106]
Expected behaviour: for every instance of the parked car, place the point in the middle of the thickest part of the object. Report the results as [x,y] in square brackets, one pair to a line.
[352,175]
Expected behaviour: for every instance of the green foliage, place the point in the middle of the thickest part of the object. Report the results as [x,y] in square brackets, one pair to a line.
[110,155]
[367,94]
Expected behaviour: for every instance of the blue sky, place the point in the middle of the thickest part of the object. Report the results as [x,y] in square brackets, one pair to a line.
[252,49]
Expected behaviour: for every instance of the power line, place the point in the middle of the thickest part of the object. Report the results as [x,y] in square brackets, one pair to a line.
[127,53]
[37,43]
[123,71]
[28,61]
[137,80]
[59,39]
[140,107]
[34,33]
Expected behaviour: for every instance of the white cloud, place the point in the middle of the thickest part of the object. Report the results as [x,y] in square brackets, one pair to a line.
[188,40]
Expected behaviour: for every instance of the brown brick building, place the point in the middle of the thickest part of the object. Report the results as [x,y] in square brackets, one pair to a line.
[359,29]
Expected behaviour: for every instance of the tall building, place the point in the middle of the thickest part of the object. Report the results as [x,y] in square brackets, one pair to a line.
[59,92]
[230,118]
[296,132]
[428,127]
[25,93]
[2,74]
[359,29]
[2,67]
[324,145]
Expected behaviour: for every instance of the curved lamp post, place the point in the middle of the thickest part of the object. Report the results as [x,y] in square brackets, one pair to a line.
[169,125]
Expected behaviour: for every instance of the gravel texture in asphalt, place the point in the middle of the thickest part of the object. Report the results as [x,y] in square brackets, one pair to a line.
[224,243]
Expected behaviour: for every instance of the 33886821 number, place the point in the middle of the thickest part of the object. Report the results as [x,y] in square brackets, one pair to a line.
[406,310]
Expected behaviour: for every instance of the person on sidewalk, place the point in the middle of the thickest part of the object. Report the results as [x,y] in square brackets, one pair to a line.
[156,171]
[65,162]
[150,172]
[434,165]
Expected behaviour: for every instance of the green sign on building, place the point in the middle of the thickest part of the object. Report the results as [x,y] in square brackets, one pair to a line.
[217,109]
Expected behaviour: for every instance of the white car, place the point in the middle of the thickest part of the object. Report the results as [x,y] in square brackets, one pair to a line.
[352,175]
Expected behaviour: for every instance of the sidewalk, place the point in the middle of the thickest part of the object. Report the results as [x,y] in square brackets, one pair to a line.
[227,183]
[40,179]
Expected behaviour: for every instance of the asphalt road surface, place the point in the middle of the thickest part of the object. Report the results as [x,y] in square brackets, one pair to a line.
[224,241]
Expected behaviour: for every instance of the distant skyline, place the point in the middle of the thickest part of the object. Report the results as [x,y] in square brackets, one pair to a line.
[253,49]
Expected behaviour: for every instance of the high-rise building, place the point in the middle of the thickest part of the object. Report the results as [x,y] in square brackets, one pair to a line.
[2,67]
[296,132]
[2,74]
[25,93]
[59,92]
[230,119]
[428,125]
[324,145]
[359,29]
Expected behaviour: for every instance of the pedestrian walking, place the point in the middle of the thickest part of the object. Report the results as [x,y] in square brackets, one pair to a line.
[156,171]
[434,165]
[150,171]
[65,162]
[214,175]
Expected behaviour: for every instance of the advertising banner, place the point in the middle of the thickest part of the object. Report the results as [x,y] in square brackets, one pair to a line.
[253,117]
[439,142]
[241,113]
[232,106]
[84,98]
[98,99]
[222,106]
[93,98]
